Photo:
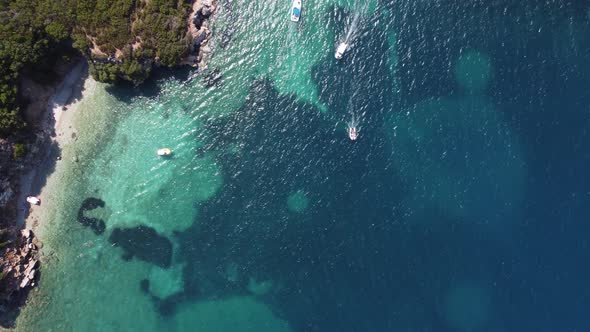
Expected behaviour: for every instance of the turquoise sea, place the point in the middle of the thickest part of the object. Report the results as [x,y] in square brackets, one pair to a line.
[463,205]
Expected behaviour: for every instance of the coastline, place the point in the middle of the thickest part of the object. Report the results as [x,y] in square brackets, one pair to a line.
[54,114]
[21,259]
[199,30]
[60,111]
[63,104]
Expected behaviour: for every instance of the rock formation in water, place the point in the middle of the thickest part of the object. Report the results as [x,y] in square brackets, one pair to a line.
[91,203]
[19,265]
[199,33]
[212,78]
[144,243]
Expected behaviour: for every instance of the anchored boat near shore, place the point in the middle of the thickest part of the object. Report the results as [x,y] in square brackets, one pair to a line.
[296,10]
[33,200]
[164,152]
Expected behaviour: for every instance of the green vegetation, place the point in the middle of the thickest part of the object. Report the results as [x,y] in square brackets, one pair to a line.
[4,238]
[121,39]
[19,151]
[136,33]
[30,34]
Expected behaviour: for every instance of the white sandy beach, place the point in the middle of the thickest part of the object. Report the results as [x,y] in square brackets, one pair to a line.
[61,109]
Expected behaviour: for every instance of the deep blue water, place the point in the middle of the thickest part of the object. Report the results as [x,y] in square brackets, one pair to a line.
[455,210]
[356,263]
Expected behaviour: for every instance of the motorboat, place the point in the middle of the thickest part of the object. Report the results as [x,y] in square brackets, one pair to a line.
[164,152]
[340,50]
[353,133]
[33,200]
[296,10]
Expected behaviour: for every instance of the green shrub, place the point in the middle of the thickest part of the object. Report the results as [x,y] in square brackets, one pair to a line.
[10,121]
[19,151]
[4,244]
[33,31]
[57,31]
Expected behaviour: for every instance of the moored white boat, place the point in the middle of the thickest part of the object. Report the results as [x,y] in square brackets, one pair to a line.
[164,152]
[340,50]
[296,10]
[33,200]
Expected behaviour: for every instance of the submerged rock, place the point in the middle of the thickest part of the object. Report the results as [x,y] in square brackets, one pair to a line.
[144,243]
[259,288]
[144,285]
[213,78]
[206,11]
[226,37]
[91,203]
[297,202]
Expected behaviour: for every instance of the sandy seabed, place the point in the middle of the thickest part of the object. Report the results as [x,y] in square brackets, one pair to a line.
[62,109]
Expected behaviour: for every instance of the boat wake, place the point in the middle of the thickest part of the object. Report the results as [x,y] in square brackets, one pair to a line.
[353,27]
[350,34]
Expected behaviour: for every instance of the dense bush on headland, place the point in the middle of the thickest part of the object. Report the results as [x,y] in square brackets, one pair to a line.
[121,39]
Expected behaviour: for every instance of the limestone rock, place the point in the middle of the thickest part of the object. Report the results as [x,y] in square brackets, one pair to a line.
[26,233]
[25,282]
[206,11]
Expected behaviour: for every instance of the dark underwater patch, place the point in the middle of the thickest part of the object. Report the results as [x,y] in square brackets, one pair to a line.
[212,78]
[144,243]
[166,306]
[97,225]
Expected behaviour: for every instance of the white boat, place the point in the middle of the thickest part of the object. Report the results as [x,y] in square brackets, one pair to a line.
[296,10]
[340,50]
[353,134]
[33,200]
[164,152]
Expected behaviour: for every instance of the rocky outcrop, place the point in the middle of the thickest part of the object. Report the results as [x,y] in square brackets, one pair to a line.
[19,155]
[199,32]
[19,264]
[131,62]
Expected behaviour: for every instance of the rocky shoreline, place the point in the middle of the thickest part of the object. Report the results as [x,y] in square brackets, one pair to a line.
[19,267]
[199,32]
[19,248]
[196,55]
[19,256]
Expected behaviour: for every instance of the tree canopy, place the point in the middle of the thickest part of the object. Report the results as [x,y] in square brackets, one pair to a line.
[121,39]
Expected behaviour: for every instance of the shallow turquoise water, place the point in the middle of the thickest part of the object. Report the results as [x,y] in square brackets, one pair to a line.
[456,210]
